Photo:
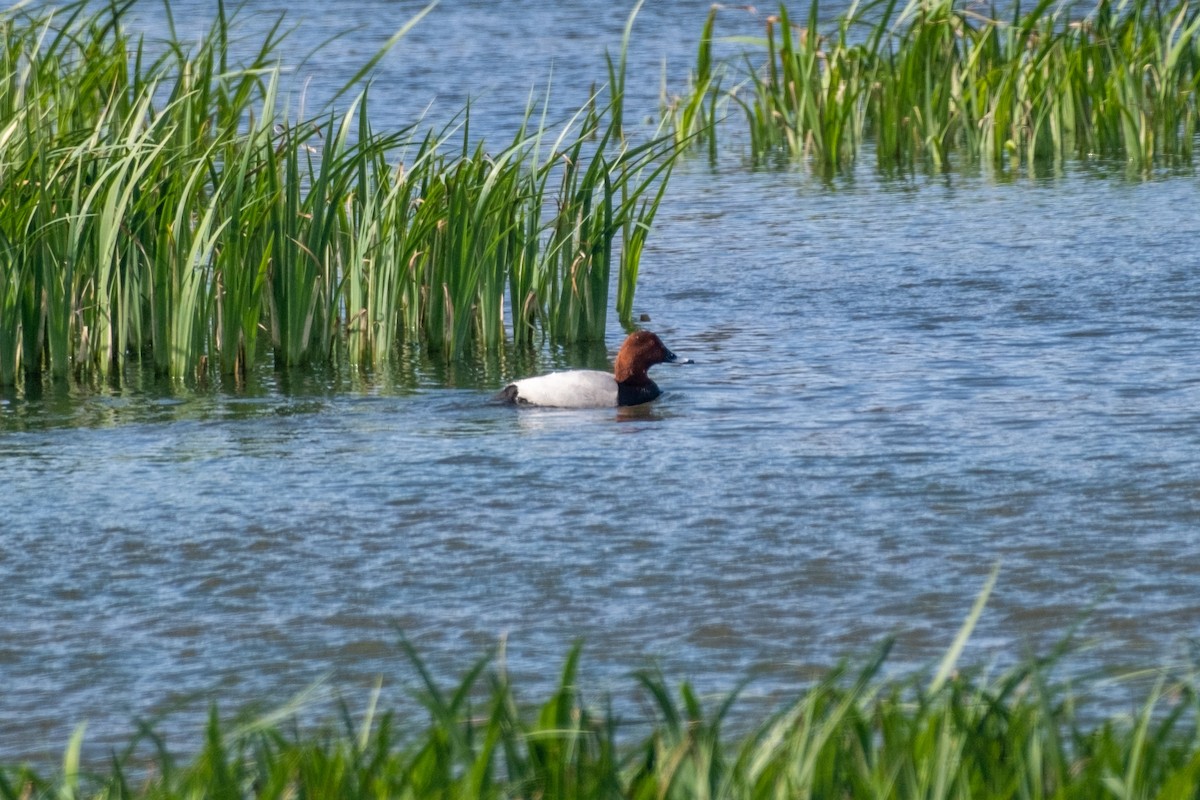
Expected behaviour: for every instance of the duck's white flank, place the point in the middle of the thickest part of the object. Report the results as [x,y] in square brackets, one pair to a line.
[581,388]
[627,385]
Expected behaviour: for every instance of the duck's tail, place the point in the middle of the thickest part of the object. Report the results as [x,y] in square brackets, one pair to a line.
[507,395]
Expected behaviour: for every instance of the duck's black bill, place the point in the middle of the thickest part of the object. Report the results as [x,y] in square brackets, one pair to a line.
[674,359]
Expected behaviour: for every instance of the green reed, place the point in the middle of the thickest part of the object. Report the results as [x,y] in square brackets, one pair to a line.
[936,79]
[853,733]
[167,208]
[693,115]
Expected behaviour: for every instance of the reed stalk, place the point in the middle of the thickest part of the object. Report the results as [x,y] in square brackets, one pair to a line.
[692,116]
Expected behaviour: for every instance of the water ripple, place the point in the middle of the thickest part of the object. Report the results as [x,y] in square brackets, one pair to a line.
[897,386]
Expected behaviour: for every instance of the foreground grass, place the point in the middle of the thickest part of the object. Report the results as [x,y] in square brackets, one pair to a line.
[852,734]
[928,80]
[159,204]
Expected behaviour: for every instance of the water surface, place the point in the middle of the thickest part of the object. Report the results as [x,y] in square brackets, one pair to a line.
[899,384]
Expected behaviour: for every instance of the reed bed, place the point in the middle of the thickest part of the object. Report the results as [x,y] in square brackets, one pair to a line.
[160,204]
[933,80]
[852,734]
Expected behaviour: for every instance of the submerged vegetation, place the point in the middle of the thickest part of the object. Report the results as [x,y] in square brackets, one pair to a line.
[159,204]
[935,79]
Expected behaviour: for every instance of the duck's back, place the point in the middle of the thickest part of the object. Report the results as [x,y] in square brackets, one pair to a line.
[581,388]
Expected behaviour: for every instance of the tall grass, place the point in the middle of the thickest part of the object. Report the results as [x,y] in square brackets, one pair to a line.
[854,733]
[159,203]
[692,115]
[934,80]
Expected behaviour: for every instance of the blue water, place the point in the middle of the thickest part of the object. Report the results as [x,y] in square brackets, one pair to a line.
[899,384]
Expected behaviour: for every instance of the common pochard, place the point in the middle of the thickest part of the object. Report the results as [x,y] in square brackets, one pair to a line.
[627,385]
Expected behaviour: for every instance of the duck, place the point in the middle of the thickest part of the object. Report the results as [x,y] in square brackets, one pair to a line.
[627,385]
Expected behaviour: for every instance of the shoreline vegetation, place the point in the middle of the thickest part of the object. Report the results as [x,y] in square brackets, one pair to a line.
[160,205]
[933,82]
[851,734]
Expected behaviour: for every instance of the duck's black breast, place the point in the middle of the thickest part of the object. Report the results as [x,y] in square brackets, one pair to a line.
[634,394]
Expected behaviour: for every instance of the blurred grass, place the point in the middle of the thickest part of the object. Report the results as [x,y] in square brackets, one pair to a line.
[853,733]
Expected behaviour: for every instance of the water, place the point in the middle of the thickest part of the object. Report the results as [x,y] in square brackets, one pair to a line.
[898,386]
